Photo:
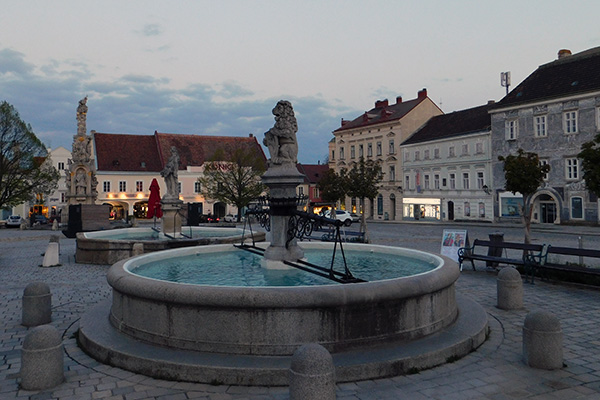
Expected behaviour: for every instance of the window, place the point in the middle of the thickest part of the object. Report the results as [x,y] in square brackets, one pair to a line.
[370,150]
[539,123]
[467,209]
[197,187]
[179,187]
[436,181]
[451,151]
[465,180]
[392,173]
[481,210]
[452,181]
[436,153]
[570,122]
[360,151]
[333,154]
[544,162]
[380,204]
[406,182]
[417,155]
[465,149]
[511,129]
[122,186]
[139,186]
[63,197]
[352,152]
[426,154]
[406,156]
[391,147]
[480,180]
[316,192]
[378,148]
[341,153]
[576,208]
[106,186]
[301,190]
[61,166]
[426,181]
[572,168]
[479,148]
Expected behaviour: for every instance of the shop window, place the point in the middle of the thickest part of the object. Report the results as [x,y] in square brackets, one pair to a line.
[467,209]
[380,204]
[481,210]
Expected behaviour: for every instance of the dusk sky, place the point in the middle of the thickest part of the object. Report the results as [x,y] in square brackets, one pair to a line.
[219,67]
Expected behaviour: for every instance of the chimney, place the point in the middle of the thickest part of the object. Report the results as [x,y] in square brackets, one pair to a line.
[398,99]
[490,102]
[250,135]
[381,103]
[344,121]
[422,94]
[562,53]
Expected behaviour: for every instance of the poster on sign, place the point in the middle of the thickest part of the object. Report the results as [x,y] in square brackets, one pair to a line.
[452,240]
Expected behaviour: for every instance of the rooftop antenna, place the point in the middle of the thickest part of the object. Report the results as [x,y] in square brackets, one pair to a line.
[505,80]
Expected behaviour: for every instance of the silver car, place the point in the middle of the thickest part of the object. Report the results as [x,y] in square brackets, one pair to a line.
[14,221]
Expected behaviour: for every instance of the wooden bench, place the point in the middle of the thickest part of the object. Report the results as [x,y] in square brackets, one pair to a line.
[541,264]
[494,252]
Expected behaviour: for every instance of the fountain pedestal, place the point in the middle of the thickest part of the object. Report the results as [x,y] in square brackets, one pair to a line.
[171,219]
[282,181]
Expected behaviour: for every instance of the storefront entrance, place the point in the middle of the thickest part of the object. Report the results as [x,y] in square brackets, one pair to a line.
[547,212]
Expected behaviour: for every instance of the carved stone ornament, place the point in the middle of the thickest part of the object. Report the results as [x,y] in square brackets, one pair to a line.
[576,186]
[569,105]
[537,110]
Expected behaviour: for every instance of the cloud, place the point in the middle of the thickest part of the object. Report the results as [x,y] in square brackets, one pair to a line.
[140,104]
[12,61]
[151,30]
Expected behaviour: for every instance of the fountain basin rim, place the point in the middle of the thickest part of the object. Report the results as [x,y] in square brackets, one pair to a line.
[122,280]
[106,234]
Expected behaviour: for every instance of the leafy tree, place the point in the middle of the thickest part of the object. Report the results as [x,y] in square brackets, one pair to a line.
[23,173]
[524,174]
[333,186]
[233,176]
[363,182]
[590,164]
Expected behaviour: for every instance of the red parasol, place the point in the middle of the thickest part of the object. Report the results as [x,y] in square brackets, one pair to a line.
[154,209]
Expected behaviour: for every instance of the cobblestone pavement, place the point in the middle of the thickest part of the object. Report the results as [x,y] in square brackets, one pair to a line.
[494,371]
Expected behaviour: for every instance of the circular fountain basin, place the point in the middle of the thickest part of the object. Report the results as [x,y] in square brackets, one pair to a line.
[247,335]
[276,320]
[108,247]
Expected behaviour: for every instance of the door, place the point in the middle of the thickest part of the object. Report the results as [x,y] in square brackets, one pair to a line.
[547,212]
[450,211]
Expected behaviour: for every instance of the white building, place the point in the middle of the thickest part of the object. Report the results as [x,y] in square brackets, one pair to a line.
[447,168]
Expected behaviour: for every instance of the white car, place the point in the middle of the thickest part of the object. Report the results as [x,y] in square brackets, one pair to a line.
[230,218]
[341,215]
[14,220]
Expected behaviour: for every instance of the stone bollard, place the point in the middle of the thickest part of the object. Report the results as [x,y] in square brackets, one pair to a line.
[509,289]
[312,374]
[52,254]
[542,341]
[55,225]
[42,362]
[37,303]
[137,249]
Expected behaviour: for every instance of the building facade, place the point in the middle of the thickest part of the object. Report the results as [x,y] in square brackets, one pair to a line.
[376,135]
[552,113]
[312,175]
[447,168]
[127,164]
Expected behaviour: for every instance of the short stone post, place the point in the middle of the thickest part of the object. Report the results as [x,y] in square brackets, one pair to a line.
[37,304]
[52,254]
[42,362]
[542,341]
[312,374]
[509,289]
[137,249]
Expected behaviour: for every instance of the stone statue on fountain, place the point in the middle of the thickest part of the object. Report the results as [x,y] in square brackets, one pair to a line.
[171,205]
[281,138]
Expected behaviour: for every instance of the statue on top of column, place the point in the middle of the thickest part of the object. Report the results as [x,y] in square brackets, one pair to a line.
[170,173]
[281,138]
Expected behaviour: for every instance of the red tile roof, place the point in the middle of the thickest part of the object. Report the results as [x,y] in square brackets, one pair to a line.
[149,153]
[312,172]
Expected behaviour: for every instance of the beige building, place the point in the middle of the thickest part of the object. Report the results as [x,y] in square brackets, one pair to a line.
[376,135]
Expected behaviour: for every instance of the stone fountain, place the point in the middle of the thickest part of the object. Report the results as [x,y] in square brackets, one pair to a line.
[246,334]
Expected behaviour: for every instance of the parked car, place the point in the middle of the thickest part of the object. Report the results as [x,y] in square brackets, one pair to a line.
[230,218]
[341,215]
[355,217]
[14,221]
[212,219]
